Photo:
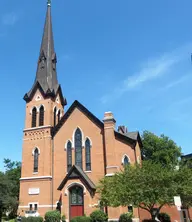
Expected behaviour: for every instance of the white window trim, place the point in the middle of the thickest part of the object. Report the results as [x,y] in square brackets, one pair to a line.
[89,140]
[32,109]
[73,184]
[40,107]
[125,155]
[67,143]
[73,137]
[33,151]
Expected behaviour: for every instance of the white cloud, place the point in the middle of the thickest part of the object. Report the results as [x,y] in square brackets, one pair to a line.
[150,70]
[178,81]
[9,19]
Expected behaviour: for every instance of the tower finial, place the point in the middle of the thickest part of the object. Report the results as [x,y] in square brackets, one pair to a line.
[49,2]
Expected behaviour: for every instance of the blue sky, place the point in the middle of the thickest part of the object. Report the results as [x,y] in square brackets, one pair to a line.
[128,57]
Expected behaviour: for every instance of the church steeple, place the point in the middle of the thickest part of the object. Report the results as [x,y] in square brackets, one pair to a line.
[46,75]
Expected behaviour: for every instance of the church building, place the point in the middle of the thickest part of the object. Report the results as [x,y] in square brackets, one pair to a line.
[66,152]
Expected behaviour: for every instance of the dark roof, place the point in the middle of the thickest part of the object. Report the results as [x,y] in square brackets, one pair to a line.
[188,156]
[46,75]
[74,173]
[84,110]
[130,137]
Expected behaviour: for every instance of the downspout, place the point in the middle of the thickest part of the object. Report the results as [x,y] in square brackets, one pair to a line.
[105,161]
[52,184]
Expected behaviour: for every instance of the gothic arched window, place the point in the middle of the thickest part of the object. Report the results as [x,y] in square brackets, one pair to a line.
[54,116]
[36,160]
[88,155]
[34,117]
[69,156]
[41,116]
[58,116]
[78,148]
[126,160]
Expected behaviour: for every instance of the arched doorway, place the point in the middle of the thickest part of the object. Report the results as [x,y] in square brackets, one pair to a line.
[76,201]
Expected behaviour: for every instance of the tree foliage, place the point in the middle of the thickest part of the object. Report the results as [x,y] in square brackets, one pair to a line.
[146,187]
[160,149]
[9,187]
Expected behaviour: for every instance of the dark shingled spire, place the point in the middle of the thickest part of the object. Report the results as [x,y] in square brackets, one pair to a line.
[46,75]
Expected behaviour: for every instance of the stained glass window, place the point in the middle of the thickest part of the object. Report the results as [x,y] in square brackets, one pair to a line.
[78,148]
[77,196]
[34,117]
[88,155]
[41,116]
[54,116]
[69,156]
[126,160]
[36,159]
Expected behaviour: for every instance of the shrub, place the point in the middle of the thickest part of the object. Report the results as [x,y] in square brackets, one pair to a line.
[164,217]
[23,219]
[149,220]
[81,219]
[98,216]
[53,216]
[63,218]
[34,219]
[126,217]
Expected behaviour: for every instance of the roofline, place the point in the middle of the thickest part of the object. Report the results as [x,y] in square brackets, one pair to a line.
[82,108]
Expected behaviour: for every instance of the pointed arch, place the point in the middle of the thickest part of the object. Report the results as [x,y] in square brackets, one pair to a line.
[126,160]
[78,147]
[34,117]
[36,160]
[73,137]
[41,115]
[69,155]
[88,154]
[54,116]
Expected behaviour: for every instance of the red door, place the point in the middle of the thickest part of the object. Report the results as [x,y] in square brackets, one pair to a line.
[76,202]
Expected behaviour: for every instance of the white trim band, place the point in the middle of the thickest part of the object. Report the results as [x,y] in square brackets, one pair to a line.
[36,128]
[36,178]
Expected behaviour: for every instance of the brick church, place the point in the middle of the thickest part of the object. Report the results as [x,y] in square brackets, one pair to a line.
[66,152]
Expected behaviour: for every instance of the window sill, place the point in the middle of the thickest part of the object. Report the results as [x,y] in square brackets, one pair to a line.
[34,173]
[88,171]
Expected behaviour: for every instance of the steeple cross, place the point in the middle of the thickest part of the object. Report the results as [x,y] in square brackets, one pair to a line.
[49,2]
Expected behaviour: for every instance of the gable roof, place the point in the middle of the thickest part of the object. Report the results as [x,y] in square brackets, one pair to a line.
[84,110]
[74,173]
[129,137]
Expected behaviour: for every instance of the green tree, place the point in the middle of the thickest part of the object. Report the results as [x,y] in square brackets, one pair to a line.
[160,149]
[9,187]
[149,186]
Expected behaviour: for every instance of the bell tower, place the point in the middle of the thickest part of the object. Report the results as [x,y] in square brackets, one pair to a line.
[44,108]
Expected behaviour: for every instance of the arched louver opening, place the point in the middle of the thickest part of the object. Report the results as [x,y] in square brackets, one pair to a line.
[69,156]
[36,160]
[78,148]
[34,117]
[41,116]
[58,116]
[126,161]
[54,116]
[88,155]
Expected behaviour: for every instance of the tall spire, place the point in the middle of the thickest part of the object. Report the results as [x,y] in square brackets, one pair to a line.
[46,70]
[46,75]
